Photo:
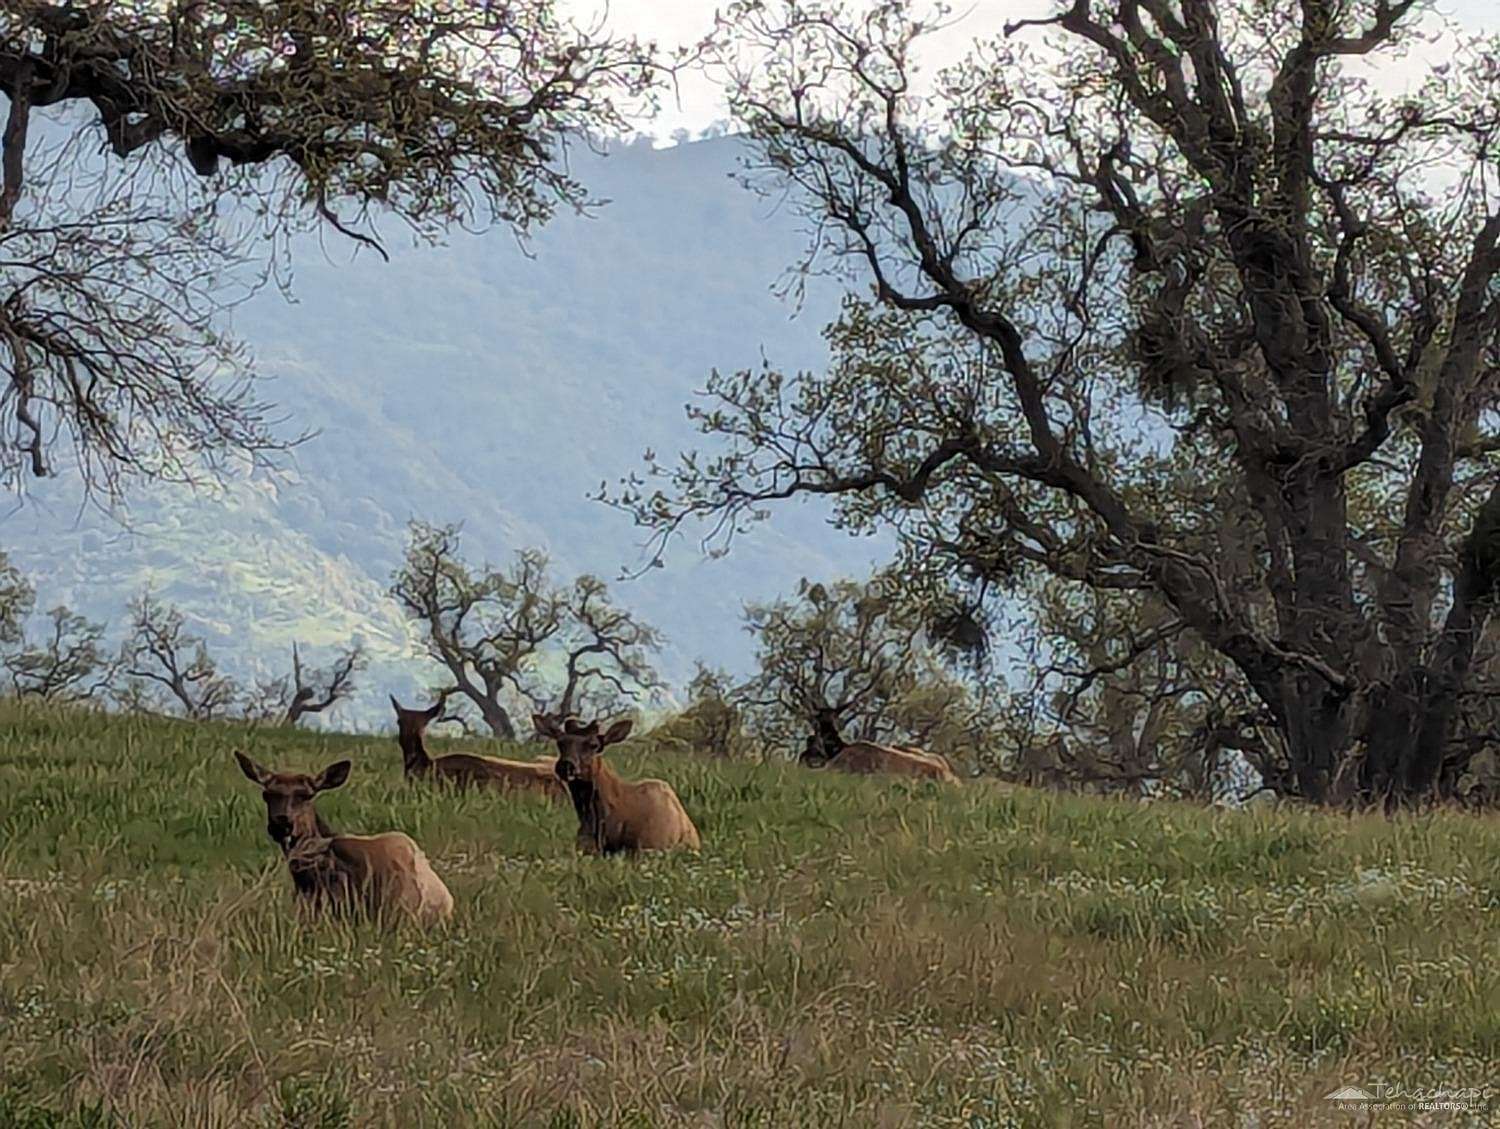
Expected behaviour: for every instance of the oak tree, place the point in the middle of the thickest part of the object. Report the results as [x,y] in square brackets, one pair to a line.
[166,667]
[288,698]
[509,637]
[65,661]
[1139,235]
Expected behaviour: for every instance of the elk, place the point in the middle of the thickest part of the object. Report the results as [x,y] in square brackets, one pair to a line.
[614,815]
[379,875]
[465,770]
[827,747]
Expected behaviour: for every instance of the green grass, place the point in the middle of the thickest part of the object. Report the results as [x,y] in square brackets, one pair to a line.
[844,952]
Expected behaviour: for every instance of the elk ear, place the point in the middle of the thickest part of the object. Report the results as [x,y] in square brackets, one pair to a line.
[617,732]
[431,712]
[251,769]
[395,705]
[544,726]
[333,776]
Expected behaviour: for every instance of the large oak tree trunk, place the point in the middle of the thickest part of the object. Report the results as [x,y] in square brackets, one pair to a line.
[1394,744]
[498,718]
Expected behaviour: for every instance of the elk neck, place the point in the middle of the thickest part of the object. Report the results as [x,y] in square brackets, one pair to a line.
[593,798]
[312,864]
[828,737]
[414,753]
[308,827]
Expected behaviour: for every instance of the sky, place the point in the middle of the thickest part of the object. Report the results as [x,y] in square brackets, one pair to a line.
[697,104]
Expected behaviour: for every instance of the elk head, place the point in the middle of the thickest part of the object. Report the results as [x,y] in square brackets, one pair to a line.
[290,815]
[410,724]
[579,746]
[825,742]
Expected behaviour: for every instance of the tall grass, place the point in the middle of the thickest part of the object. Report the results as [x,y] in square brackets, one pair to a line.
[844,952]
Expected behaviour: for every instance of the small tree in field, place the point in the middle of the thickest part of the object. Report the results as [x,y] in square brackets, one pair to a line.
[306,690]
[1167,301]
[165,663]
[511,636]
[65,662]
[1124,699]
[68,662]
[712,722]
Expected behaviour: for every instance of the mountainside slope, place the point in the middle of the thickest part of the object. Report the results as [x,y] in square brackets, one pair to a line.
[473,383]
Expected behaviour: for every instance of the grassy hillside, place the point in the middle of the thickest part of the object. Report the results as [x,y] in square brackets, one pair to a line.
[842,953]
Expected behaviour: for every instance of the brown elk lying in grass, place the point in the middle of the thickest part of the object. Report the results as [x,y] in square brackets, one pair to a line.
[378,875]
[465,769]
[613,814]
[827,747]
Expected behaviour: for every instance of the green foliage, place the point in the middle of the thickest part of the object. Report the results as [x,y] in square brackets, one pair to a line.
[318,1103]
[508,636]
[864,651]
[448,116]
[711,721]
[19,1110]
[17,598]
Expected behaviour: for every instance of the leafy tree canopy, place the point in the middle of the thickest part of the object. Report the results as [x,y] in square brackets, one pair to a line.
[1166,299]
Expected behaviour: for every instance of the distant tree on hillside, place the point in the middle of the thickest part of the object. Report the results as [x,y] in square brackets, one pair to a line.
[17,598]
[712,720]
[115,270]
[1125,700]
[287,699]
[167,667]
[510,637]
[1189,283]
[65,662]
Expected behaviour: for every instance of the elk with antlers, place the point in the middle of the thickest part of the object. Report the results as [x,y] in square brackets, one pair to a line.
[378,875]
[466,769]
[614,814]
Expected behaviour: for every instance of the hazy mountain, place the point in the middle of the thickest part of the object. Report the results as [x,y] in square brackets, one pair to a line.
[476,383]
